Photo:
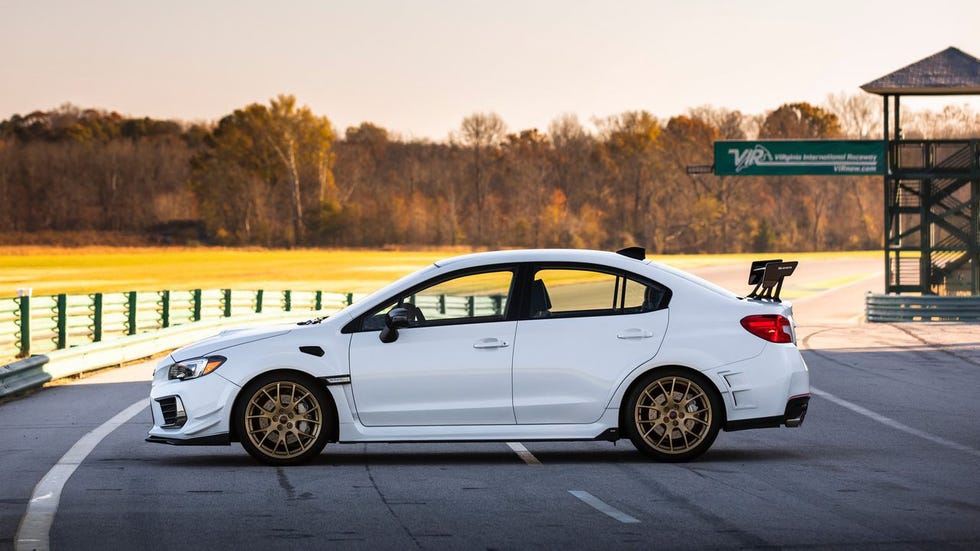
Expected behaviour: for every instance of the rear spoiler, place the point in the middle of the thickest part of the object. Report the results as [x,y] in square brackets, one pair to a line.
[767,276]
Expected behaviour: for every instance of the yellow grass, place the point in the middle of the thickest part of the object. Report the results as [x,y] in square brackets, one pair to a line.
[52,270]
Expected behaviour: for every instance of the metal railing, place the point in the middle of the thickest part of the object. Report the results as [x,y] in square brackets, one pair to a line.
[81,333]
[42,324]
[898,308]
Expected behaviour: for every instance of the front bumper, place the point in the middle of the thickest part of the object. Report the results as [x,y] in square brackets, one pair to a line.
[193,411]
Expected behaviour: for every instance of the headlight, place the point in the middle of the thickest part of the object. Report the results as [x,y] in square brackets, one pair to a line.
[195,367]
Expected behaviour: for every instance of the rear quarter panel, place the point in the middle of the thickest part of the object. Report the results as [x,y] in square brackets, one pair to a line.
[704,332]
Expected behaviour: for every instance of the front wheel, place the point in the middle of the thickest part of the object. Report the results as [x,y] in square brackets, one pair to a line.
[282,419]
[673,415]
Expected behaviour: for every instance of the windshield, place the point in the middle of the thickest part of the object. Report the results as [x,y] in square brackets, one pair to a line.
[388,290]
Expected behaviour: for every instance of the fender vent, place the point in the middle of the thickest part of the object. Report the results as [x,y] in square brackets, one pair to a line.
[312,351]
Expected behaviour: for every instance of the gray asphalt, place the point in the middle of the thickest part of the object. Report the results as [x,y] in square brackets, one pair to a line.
[901,473]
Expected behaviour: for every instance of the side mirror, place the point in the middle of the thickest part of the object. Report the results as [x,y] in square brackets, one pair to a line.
[396,319]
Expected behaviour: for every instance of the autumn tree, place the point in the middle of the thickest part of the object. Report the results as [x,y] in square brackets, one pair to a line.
[527,175]
[801,121]
[273,174]
[90,169]
[729,124]
[859,115]
[275,162]
[697,208]
[630,151]
[953,122]
[807,200]
[482,133]
[573,156]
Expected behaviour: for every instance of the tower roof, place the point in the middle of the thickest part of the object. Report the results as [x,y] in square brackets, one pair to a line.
[949,72]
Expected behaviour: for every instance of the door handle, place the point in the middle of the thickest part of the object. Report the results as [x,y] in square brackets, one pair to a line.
[490,342]
[634,334]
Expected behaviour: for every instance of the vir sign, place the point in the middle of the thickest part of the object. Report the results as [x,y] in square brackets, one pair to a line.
[780,157]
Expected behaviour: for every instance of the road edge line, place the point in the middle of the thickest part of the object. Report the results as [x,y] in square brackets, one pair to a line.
[887,421]
[33,532]
[523,453]
[603,507]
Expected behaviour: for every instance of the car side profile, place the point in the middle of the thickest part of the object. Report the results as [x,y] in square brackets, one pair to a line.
[500,346]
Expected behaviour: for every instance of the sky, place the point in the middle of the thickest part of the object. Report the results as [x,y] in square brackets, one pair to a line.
[417,68]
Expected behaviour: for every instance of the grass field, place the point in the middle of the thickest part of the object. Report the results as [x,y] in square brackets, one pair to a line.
[52,270]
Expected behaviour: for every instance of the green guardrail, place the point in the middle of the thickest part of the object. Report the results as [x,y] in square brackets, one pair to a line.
[81,333]
[41,324]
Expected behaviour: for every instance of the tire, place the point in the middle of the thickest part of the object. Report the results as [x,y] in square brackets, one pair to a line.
[673,415]
[282,418]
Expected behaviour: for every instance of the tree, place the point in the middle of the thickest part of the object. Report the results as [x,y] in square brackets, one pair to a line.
[953,122]
[363,149]
[812,197]
[859,115]
[265,175]
[285,148]
[573,157]
[527,172]
[482,132]
[801,121]
[730,125]
[699,205]
[630,150]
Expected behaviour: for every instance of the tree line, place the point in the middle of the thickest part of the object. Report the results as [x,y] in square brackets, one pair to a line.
[277,174]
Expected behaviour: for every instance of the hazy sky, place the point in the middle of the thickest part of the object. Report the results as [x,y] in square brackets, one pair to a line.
[418,67]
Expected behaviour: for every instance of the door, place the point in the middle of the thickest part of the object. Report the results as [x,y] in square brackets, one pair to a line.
[587,330]
[451,366]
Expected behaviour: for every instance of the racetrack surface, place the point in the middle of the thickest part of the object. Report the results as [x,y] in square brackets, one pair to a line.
[888,458]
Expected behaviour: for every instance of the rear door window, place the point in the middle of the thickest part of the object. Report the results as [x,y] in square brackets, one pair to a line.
[569,292]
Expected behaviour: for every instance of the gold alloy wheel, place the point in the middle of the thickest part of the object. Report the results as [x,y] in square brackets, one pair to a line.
[283,419]
[673,415]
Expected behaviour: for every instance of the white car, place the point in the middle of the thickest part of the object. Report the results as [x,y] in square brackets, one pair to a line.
[499,346]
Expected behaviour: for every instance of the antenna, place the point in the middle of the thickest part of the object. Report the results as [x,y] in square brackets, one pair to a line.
[638,253]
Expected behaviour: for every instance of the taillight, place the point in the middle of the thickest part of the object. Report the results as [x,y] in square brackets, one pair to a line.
[771,327]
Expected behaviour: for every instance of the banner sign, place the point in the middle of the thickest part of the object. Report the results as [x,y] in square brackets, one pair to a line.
[788,157]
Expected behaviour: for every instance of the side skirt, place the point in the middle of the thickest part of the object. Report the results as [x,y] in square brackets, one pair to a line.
[610,435]
[605,429]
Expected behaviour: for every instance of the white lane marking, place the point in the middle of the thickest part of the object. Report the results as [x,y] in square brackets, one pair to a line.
[603,507]
[35,527]
[893,423]
[522,452]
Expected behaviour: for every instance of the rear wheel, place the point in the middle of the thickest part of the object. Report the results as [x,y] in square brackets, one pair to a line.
[673,415]
[282,418]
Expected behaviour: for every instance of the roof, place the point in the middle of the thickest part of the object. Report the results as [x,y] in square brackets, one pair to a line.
[949,72]
[533,255]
